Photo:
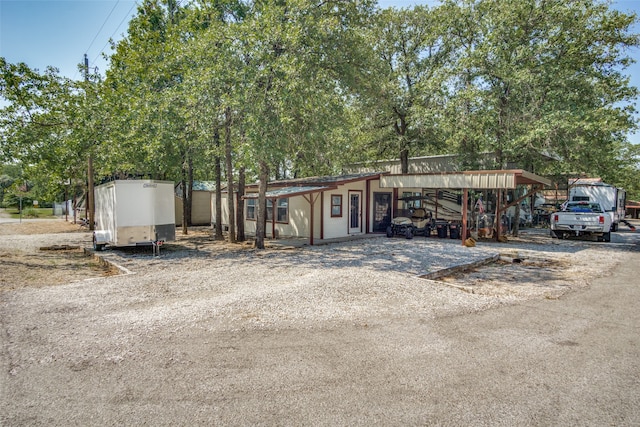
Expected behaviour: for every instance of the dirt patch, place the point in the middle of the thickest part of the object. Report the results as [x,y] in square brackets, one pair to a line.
[46,265]
[40,227]
[47,268]
[545,277]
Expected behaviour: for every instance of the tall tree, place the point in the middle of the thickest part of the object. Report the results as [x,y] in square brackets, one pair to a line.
[403,90]
[542,78]
[295,89]
[48,125]
[147,92]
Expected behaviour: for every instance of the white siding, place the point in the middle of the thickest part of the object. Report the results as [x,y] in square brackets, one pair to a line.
[339,226]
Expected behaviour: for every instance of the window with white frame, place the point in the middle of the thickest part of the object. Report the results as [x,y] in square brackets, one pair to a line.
[251,208]
[282,210]
[336,205]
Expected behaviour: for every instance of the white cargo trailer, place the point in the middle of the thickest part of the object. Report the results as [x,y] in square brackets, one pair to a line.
[134,213]
[611,198]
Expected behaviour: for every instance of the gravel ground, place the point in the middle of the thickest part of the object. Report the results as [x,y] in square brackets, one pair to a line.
[155,344]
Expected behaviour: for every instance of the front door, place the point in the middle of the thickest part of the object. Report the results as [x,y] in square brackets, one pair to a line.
[355,213]
[381,211]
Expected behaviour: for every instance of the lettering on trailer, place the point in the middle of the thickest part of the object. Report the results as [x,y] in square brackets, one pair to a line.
[147,185]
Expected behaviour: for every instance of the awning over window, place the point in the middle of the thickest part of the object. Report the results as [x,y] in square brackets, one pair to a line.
[283,192]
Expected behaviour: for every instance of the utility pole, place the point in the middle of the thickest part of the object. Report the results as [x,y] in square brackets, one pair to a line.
[90,184]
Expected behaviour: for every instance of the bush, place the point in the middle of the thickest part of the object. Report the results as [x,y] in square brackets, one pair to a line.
[30,213]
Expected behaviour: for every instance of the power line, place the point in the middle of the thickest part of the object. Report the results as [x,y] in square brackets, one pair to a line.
[135,3]
[103,24]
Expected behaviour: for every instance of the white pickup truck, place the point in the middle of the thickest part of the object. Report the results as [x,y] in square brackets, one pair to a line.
[581,219]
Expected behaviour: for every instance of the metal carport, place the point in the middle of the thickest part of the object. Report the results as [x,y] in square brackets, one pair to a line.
[498,180]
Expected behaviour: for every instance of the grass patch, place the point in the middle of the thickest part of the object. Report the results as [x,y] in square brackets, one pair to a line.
[44,213]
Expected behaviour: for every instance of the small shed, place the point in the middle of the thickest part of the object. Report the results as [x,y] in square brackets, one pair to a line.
[201,197]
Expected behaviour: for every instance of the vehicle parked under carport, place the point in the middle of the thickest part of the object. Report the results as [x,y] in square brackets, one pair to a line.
[420,222]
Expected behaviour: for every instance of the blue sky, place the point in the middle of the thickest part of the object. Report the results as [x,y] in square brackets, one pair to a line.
[60,32]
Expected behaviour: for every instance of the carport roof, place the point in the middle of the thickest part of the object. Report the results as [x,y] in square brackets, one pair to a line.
[485,179]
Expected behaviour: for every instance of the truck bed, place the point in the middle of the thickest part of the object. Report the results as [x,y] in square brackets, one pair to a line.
[581,219]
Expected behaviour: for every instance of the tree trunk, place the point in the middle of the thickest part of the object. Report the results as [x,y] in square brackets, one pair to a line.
[185,202]
[229,162]
[502,129]
[218,173]
[241,183]
[261,216]
[401,131]
[189,212]
[91,208]
[404,160]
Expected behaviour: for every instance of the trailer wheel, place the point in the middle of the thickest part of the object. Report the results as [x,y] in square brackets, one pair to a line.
[97,247]
[389,231]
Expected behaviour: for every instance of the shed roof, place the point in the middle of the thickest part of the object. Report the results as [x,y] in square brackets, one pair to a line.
[485,179]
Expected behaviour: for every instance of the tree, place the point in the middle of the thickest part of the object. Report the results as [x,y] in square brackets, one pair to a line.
[402,92]
[44,125]
[541,78]
[147,94]
[5,182]
[293,54]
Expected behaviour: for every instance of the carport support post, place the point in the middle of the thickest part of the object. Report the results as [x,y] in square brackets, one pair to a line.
[498,220]
[311,201]
[465,205]
[273,217]
[311,220]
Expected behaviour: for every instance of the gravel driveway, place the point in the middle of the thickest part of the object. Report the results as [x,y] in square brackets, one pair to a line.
[208,335]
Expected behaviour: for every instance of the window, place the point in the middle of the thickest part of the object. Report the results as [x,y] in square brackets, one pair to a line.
[336,205]
[251,208]
[282,210]
[408,204]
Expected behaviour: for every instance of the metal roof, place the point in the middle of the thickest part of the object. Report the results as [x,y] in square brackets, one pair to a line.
[289,192]
[200,186]
[204,185]
[486,179]
[325,180]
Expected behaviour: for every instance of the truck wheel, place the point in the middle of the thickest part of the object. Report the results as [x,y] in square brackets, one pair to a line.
[614,227]
[389,231]
[606,237]
[553,234]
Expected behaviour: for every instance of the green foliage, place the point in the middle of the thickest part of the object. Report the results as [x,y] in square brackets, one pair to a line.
[536,78]
[403,90]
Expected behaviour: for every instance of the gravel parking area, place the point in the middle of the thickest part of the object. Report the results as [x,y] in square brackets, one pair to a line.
[162,342]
